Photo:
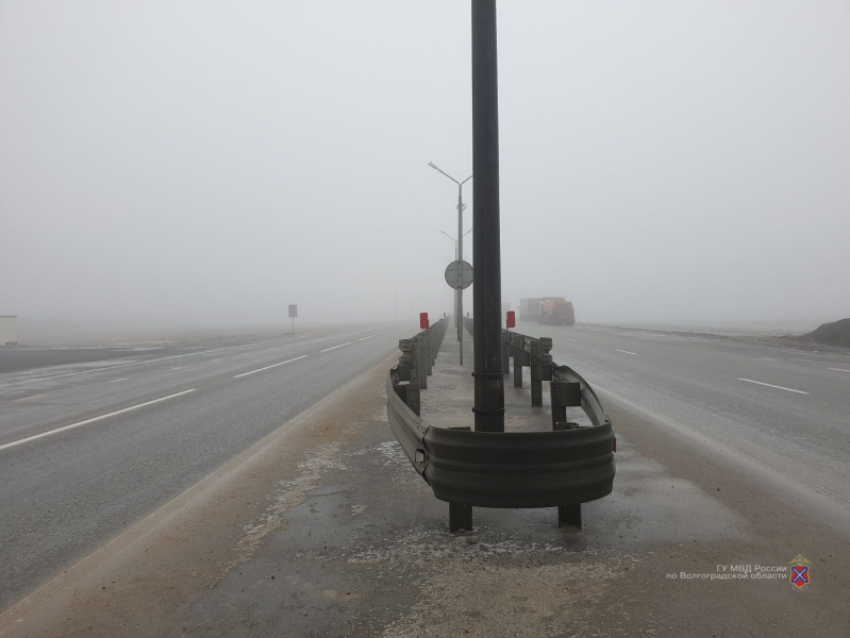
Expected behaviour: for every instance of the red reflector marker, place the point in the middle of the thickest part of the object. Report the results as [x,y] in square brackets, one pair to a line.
[423,320]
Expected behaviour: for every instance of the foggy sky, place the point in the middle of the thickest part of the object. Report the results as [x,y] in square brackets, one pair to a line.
[212,162]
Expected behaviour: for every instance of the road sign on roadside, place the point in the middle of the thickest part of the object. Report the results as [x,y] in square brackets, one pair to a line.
[459,274]
[293,313]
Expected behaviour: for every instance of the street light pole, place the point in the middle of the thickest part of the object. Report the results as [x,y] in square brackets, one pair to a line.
[459,293]
[487,295]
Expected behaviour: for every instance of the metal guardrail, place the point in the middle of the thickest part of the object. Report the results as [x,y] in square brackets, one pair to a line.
[561,468]
[416,362]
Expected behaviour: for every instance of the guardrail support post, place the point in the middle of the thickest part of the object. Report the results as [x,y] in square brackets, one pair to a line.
[536,382]
[519,359]
[422,361]
[569,515]
[545,358]
[426,344]
[506,352]
[407,361]
[564,394]
[460,517]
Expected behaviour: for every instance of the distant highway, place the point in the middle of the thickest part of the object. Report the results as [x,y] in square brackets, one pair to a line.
[89,443]
[783,409]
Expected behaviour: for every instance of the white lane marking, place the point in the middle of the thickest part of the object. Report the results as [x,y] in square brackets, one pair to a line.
[32,396]
[838,369]
[769,359]
[770,385]
[364,338]
[569,338]
[339,346]
[800,351]
[117,380]
[92,420]
[60,375]
[627,352]
[178,368]
[274,365]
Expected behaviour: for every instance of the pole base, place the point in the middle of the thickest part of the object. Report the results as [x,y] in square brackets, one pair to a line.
[570,515]
[460,517]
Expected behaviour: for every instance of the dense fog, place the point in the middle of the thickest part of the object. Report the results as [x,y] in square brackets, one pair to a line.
[209,163]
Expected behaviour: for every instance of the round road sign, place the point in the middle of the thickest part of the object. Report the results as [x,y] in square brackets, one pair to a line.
[459,274]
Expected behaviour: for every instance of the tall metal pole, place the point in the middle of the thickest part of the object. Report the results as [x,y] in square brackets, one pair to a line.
[460,258]
[458,253]
[486,249]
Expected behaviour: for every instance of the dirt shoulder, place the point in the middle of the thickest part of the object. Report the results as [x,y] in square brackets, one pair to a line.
[324,529]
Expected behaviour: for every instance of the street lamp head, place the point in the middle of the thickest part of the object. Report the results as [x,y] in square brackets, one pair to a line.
[433,165]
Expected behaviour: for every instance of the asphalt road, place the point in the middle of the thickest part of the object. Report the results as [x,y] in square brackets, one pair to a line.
[323,528]
[782,410]
[89,445]
[22,359]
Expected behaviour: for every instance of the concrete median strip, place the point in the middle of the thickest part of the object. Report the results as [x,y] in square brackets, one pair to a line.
[245,374]
[770,385]
[92,420]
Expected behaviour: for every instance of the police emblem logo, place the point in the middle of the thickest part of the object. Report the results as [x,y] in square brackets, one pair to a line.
[800,573]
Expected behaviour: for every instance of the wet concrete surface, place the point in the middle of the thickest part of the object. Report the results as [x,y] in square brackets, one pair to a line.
[328,531]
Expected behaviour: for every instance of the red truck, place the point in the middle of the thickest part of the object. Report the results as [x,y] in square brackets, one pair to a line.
[557,310]
[548,310]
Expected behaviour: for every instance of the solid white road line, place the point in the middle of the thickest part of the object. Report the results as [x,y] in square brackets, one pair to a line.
[770,385]
[627,352]
[838,369]
[339,346]
[97,418]
[117,380]
[364,338]
[178,368]
[245,374]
